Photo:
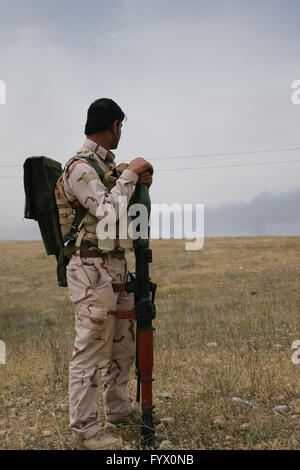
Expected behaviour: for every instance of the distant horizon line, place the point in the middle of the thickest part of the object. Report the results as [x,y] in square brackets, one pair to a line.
[177,239]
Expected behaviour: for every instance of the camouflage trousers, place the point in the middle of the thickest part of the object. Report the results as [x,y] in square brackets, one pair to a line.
[103,342]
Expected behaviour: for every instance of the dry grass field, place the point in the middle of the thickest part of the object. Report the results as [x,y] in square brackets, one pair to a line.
[226,319]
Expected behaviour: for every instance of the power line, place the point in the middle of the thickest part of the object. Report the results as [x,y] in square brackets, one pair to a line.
[230,166]
[206,155]
[227,154]
[204,167]
[10,166]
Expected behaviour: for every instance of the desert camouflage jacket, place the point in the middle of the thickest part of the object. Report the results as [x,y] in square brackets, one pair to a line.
[81,185]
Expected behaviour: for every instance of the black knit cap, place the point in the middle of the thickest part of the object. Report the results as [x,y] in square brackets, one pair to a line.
[101,114]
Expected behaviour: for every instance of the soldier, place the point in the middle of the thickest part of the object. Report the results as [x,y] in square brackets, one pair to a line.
[104,312]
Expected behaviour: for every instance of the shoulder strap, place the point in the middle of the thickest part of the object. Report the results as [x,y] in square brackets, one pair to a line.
[92,160]
[89,157]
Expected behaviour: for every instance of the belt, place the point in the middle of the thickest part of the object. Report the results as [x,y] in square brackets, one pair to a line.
[89,254]
[98,254]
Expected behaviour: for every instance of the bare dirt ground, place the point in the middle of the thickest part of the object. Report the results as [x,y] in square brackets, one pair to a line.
[226,320]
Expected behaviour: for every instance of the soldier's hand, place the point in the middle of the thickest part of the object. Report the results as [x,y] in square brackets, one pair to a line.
[145,178]
[139,166]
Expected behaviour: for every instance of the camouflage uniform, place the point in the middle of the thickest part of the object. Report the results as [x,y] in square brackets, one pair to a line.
[103,341]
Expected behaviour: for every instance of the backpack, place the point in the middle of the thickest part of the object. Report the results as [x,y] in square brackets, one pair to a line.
[40,178]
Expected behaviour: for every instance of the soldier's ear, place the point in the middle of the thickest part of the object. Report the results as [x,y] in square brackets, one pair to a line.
[115,127]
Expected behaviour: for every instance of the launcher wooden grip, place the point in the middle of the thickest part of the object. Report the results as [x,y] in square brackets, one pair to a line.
[145,351]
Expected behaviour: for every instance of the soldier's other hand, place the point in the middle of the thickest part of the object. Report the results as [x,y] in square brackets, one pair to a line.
[145,178]
[139,166]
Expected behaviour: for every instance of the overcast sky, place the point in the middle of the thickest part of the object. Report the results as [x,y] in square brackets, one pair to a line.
[194,77]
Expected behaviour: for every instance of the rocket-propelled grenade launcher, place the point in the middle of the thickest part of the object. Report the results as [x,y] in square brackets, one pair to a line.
[144,295]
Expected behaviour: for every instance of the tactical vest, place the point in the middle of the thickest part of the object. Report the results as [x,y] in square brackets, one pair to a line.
[76,222]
